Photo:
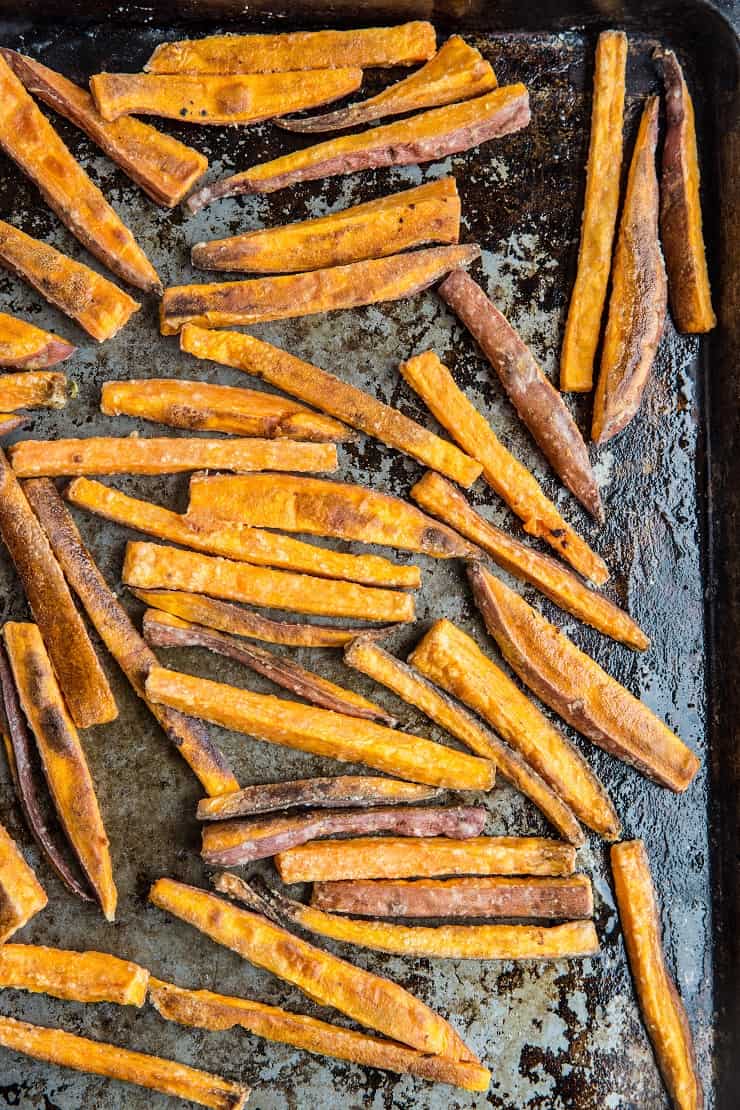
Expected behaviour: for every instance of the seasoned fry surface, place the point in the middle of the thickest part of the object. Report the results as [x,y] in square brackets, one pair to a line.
[79,976]
[33,389]
[21,894]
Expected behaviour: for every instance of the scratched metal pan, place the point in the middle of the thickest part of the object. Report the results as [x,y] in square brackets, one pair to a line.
[555,1035]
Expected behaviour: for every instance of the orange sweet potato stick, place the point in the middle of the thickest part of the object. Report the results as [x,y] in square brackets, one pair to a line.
[353,791]
[10,423]
[79,976]
[33,389]
[26,347]
[21,894]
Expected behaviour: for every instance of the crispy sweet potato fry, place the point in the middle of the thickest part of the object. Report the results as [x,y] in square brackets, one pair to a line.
[603,176]
[26,347]
[10,423]
[342,790]
[584,695]
[637,302]
[453,660]
[32,390]
[162,166]
[440,498]
[62,757]
[332,395]
[78,976]
[431,135]
[28,138]
[257,300]
[511,480]
[70,1051]
[21,894]
[429,213]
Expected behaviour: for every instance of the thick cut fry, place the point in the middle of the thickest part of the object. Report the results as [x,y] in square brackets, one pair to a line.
[32,390]
[100,1058]
[440,498]
[426,137]
[62,757]
[332,395]
[638,298]
[86,690]
[21,894]
[343,790]
[427,214]
[453,660]
[26,347]
[78,976]
[278,298]
[118,634]
[511,480]
[323,508]
[603,176]
[31,142]
[162,166]
[10,423]
[584,695]
[663,1011]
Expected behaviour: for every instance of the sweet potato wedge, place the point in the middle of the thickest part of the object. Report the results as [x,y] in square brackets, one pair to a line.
[33,389]
[78,976]
[638,298]
[26,347]
[429,136]
[98,306]
[584,695]
[511,480]
[31,142]
[78,669]
[118,634]
[330,394]
[323,508]
[10,423]
[662,1009]
[429,213]
[452,659]
[603,177]
[62,757]
[440,498]
[161,165]
[257,300]
[100,1058]
[342,790]
[21,894]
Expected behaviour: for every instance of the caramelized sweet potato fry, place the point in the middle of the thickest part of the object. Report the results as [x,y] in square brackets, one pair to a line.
[26,347]
[33,389]
[31,142]
[342,790]
[584,695]
[21,894]
[603,176]
[10,423]
[511,480]
[453,660]
[78,976]
[637,302]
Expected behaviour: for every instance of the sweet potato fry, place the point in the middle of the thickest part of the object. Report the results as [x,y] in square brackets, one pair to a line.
[33,389]
[31,142]
[100,1058]
[331,395]
[440,498]
[506,475]
[118,634]
[78,976]
[638,298]
[324,508]
[257,300]
[62,757]
[162,166]
[21,894]
[603,176]
[584,695]
[10,423]
[429,213]
[343,790]
[98,306]
[429,136]
[78,669]
[452,659]
[26,347]
[662,1009]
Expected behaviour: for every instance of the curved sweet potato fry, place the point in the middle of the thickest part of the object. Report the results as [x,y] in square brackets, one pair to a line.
[26,347]
[21,894]
[342,790]
[78,976]
[33,389]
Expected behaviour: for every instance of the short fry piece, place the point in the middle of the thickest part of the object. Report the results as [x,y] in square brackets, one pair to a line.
[342,790]
[662,1009]
[26,347]
[21,894]
[10,423]
[332,395]
[78,976]
[32,390]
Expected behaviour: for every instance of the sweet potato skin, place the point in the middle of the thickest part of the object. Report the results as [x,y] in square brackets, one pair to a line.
[342,790]
[21,894]
[78,976]
[26,347]
[10,423]
[33,389]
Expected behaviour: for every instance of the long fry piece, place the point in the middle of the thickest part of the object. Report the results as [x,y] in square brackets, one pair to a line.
[32,390]
[26,347]
[21,894]
[79,976]
[341,790]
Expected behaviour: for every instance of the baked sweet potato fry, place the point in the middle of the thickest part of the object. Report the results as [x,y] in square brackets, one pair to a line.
[100,1058]
[21,894]
[429,213]
[257,300]
[33,389]
[26,347]
[342,790]
[440,498]
[330,394]
[118,634]
[98,306]
[10,423]
[638,298]
[603,177]
[456,72]
[452,659]
[662,1009]
[78,976]
[62,757]
[584,695]
[511,480]
[323,508]
[161,165]
[31,142]
[425,137]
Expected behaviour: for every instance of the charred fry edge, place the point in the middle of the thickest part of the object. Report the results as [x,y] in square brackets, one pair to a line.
[341,790]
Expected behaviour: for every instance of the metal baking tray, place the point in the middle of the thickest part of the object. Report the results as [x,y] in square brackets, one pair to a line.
[555,1035]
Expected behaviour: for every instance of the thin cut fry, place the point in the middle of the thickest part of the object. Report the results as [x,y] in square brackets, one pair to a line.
[78,976]
[332,395]
[342,790]
[32,390]
[21,894]
[26,347]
